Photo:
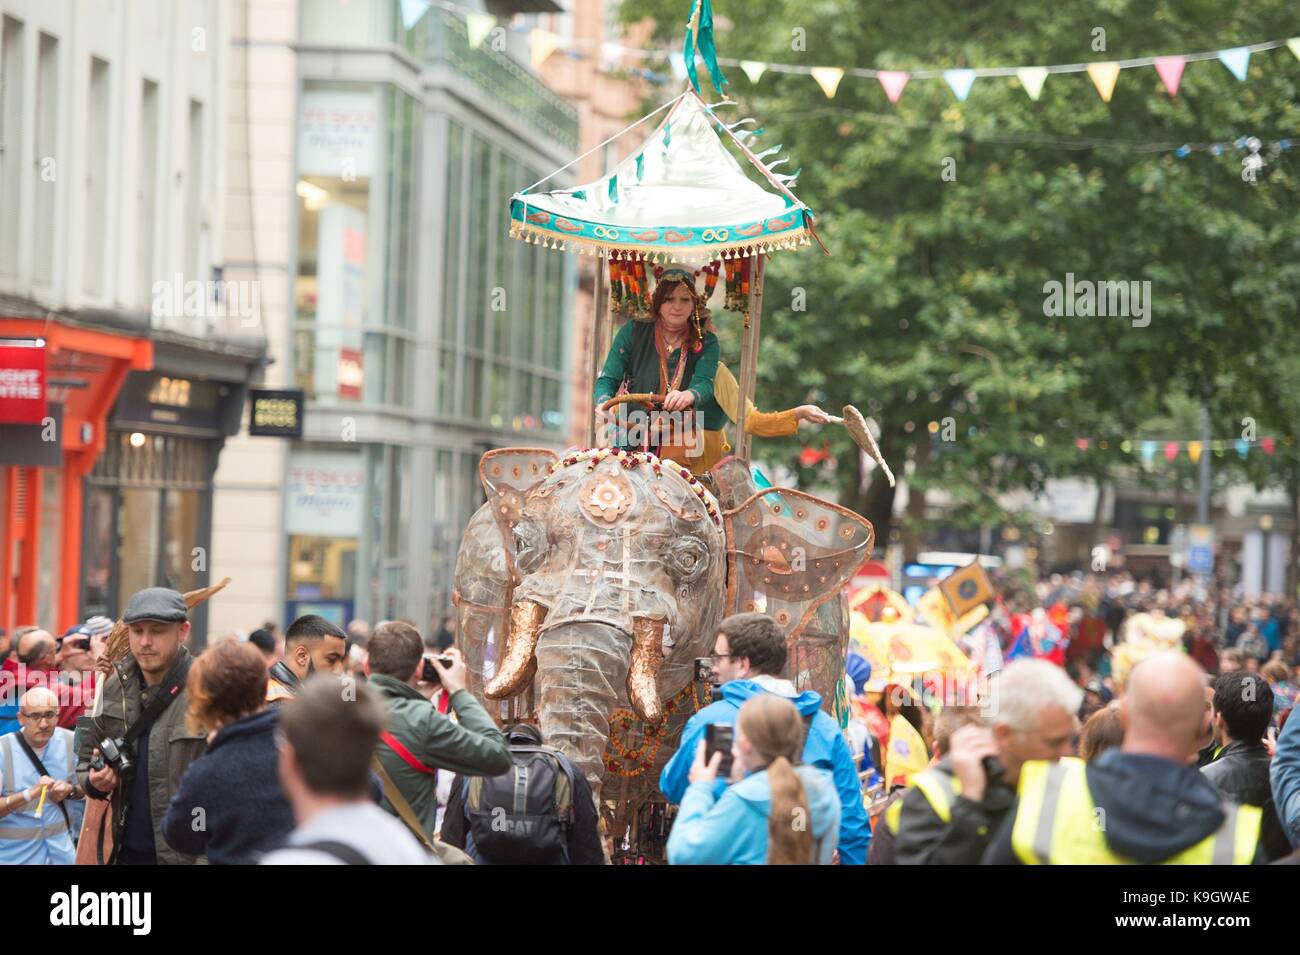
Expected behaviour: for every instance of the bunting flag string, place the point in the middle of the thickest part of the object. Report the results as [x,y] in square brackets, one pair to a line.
[1104,74]
[1147,448]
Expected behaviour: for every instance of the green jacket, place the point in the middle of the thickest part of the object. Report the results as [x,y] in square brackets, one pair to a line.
[632,358]
[472,747]
[172,747]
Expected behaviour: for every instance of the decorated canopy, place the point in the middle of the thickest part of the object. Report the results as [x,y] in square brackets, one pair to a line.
[681,196]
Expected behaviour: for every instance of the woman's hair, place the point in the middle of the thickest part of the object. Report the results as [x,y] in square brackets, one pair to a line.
[1275,670]
[695,333]
[226,682]
[775,729]
[1101,732]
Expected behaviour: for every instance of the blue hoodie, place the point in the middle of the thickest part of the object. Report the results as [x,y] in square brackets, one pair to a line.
[733,830]
[826,749]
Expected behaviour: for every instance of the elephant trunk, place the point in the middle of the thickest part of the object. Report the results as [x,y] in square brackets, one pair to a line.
[582,670]
[643,679]
[517,663]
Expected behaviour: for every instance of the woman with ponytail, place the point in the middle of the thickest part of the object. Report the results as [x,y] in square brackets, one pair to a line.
[776,812]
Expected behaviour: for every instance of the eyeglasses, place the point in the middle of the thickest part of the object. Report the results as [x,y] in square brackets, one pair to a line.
[48,716]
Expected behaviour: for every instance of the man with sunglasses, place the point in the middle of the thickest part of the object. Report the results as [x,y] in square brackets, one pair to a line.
[39,774]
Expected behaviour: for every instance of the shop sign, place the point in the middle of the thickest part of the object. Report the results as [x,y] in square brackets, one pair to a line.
[325,493]
[350,374]
[34,445]
[275,414]
[22,381]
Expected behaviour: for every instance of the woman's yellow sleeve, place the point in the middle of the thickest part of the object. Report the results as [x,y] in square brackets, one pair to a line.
[761,424]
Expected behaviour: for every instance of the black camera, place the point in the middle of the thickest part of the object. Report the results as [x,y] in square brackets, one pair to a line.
[994,771]
[115,753]
[429,673]
[704,673]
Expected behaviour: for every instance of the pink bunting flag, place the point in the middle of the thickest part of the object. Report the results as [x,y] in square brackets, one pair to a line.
[1171,450]
[1266,444]
[893,81]
[1170,69]
[1081,444]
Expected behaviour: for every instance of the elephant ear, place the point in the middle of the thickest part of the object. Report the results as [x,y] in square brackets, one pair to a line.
[788,554]
[508,474]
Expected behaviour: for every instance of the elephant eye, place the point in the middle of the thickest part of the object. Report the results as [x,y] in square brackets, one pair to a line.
[686,559]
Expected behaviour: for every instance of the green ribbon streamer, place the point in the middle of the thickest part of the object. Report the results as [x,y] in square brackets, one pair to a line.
[613,188]
[702,38]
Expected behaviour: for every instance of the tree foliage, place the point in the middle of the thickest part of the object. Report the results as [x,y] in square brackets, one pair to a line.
[931,305]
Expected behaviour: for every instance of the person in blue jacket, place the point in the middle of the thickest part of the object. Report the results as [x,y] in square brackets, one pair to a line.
[1284,774]
[748,655]
[775,813]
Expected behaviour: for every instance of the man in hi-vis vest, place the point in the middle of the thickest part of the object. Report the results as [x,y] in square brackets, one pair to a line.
[39,774]
[1143,803]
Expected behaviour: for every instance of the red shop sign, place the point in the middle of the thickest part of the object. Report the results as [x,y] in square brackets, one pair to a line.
[22,381]
[350,375]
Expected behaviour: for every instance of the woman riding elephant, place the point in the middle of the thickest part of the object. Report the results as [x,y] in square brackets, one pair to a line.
[676,355]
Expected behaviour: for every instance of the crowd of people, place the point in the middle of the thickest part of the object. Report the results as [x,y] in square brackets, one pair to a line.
[1116,722]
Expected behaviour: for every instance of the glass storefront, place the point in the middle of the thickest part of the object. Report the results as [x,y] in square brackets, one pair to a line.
[357,161]
[501,340]
[493,342]
[147,502]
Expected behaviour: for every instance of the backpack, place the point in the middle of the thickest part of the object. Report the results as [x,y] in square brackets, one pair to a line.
[524,815]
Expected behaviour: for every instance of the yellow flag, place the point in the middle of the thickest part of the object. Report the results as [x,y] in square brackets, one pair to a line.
[542,44]
[828,78]
[907,755]
[1103,77]
[1194,450]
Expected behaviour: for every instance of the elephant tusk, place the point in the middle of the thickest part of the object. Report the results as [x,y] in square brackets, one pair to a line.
[518,665]
[643,674]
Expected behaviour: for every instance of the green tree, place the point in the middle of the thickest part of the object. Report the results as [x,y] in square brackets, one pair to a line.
[945,220]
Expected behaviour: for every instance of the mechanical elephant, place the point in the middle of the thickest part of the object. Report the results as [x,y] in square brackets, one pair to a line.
[589,582]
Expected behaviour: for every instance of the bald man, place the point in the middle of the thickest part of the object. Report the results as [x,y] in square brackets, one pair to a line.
[1144,802]
[39,768]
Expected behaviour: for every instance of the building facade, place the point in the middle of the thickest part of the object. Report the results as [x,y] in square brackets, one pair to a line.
[420,335]
[111,276]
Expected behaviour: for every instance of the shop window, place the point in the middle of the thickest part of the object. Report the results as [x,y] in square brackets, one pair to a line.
[47,129]
[96,197]
[11,136]
[322,568]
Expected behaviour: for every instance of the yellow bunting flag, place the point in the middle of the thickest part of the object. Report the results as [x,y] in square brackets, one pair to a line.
[1031,78]
[542,44]
[1103,77]
[753,69]
[1293,45]
[1194,450]
[477,27]
[828,78]
[906,755]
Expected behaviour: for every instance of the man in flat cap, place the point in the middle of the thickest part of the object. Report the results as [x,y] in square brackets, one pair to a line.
[141,714]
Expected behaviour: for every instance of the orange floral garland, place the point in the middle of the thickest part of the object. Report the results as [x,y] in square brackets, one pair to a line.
[653,739]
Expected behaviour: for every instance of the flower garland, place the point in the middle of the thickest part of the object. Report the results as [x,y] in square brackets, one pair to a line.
[640,759]
[631,459]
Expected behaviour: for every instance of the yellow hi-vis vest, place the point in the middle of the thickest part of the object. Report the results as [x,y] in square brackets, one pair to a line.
[940,790]
[1057,823]
[277,692]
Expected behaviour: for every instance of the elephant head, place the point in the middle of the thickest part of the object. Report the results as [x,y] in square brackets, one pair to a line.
[593,581]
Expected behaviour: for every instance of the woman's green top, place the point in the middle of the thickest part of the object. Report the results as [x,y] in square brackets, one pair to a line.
[633,359]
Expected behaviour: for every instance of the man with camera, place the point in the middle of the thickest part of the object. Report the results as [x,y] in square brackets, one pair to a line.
[953,809]
[420,740]
[749,654]
[311,644]
[136,746]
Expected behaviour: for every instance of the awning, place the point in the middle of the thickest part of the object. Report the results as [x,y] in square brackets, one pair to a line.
[681,196]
